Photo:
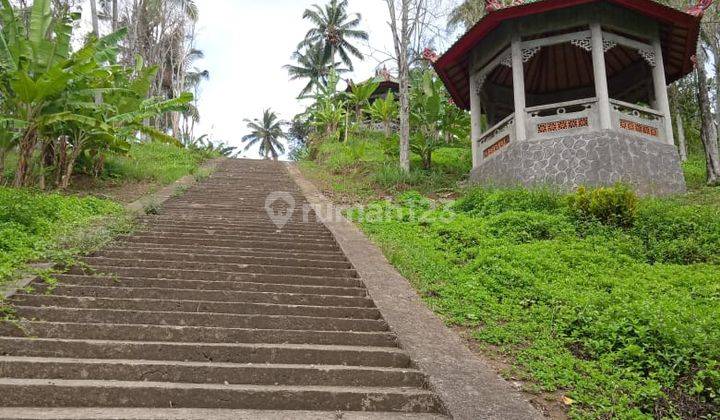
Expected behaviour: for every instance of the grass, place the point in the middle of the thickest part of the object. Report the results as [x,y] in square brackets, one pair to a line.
[52,227]
[366,167]
[609,301]
[157,162]
[622,320]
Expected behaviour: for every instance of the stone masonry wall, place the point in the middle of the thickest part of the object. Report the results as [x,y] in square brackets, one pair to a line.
[593,159]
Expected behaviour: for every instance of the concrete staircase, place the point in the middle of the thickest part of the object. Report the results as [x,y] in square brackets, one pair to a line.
[210,311]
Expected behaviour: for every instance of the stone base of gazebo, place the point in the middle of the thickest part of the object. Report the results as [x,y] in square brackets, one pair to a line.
[599,158]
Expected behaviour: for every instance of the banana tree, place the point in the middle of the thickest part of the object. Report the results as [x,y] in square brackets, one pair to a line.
[436,122]
[385,111]
[37,69]
[359,97]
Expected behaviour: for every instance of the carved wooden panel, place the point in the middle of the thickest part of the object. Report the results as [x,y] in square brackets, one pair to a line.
[496,147]
[561,125]
[640,128]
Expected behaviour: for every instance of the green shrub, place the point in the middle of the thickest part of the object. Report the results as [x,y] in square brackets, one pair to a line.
[614,206]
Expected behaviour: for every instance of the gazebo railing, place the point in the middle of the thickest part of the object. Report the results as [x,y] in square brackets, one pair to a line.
[496,138]
[572,118]
[563,118]
[638,120]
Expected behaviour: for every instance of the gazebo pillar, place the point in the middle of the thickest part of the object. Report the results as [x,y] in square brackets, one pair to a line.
[518,72]
[600,73]
[661,93]
[475,119]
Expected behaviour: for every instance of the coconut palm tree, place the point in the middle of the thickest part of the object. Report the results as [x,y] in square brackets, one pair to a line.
[312,65]
[266,133]
[334,29]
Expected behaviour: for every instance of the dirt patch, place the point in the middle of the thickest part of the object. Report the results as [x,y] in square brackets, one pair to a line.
[123,192]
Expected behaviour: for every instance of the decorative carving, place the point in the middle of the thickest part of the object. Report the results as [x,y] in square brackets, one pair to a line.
[608,45]
[507,60]
[496,147]
[553,126]
[640,128]
[529,53]
[583,43]
[648,54]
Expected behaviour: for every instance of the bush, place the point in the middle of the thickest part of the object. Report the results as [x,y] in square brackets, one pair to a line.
[615,206]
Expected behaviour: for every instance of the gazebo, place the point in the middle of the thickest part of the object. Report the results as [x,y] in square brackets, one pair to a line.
[573,92]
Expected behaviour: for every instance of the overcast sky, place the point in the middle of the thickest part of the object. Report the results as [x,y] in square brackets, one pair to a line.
[246,44]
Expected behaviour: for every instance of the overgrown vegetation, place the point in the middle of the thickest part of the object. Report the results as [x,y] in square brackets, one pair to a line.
[365,167]
[52,227]
[614,303]
[157,162]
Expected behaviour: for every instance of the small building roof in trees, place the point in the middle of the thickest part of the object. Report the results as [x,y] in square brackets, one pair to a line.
[385,80]
[679,35]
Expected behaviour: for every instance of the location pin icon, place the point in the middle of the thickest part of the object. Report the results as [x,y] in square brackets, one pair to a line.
[280,214]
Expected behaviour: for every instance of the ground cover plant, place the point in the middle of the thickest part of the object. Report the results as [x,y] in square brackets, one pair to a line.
[154,161]
[52,227]
[611,300]
[365,167]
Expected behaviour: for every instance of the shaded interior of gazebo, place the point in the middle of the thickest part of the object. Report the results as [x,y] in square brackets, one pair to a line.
[564,72]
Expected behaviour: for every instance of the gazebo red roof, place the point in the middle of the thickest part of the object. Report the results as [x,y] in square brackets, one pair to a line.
[679,39]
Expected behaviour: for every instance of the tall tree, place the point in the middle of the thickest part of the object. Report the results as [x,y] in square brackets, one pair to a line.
[408,19]
[94,18]
[334,29]
[266,133]
[312,66]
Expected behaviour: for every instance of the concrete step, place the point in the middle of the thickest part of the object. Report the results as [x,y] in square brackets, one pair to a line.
[164,333]
[206,352]
[209,222]
[230,268]
[108,280]
[240,230]
[235,252]
[113,413]
[75,393]
[225,259]
[206,373]
[250,243]
[216,295]
[265,322]
[168,305]
[264,237]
